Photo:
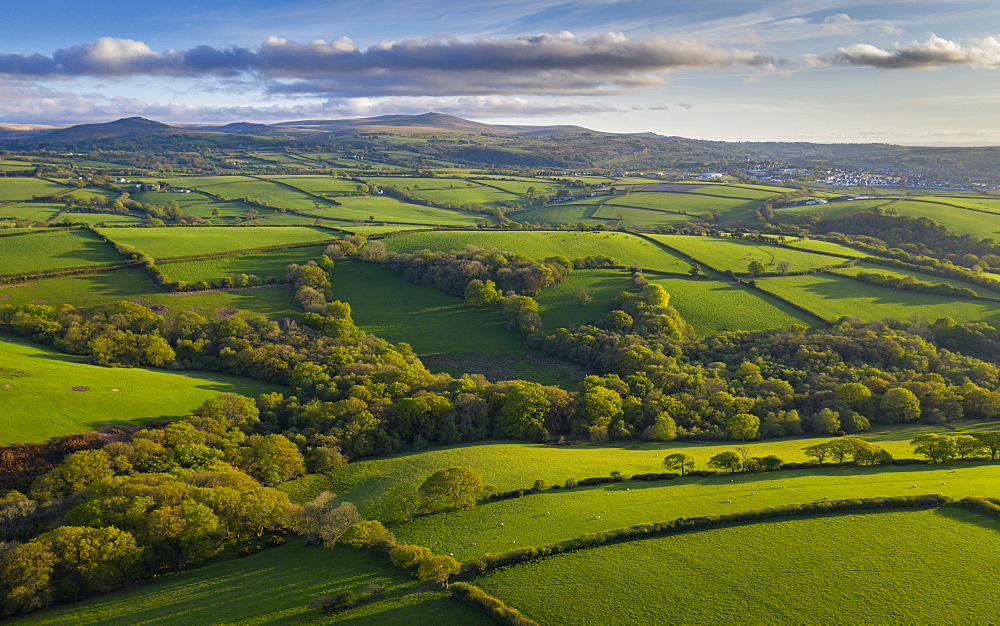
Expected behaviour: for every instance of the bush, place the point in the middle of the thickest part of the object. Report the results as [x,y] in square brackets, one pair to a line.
[492,606]
[370,534]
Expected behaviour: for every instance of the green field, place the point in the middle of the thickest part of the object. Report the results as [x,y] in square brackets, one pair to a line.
[272,587]
[386,209]
[319,185]
[445,324]
[714,307]
[639,218]
[832,297]
[373,483]
[626,248]
[38,211]
[726,253]
[269,193]
[273,263]
[133,284]
[883,567]
[826,247]
[168,242]
[52,250]
[921,276]
[560,306]
[39,401]
[15,189]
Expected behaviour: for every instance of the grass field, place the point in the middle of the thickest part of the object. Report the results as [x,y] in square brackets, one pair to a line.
[815,245]
[871,567]
[39,211]
[641,218]
[714,307]
[372,483]
[270,587]
[446,324]
[921,276]
[319,185]
[561,214]
[39,401]
[269,193]
[51,250]
[167,242]
[133,284]
[386,209]
[15,189]
[272,263]
[626,248]
[560,307]
[725,253]
[833,297]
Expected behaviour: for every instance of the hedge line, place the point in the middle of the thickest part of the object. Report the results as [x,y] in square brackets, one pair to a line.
[489,562]
[941,289]
[20,277]
[36,232]
[496,608]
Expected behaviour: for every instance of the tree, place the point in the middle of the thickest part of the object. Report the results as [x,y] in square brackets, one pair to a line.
[74,473]
[743,426]
[783,266]
[726,461]
[818,451]
[825,422]
[769,463]
[679,462]
[482,294]
[899,405]
[523,411]
[324,519]
[854,395]
[460,486]
[967,445]
[438,567]
[937,448]
[756,267]
[991,443]
[367,534]
[663,429]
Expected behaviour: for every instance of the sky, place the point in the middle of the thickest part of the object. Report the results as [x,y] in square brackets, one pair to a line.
[896,71]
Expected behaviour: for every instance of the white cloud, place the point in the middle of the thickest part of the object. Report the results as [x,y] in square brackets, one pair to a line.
[934,53]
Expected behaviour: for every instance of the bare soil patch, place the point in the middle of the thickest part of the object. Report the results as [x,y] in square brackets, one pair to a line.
[81,388]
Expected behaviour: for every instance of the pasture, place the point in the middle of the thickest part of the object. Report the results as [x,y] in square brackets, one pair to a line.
[871,567]
[53,250]
[372,483]
[87,290]
[37,211]
[561,514]
[727,253]
[446,324]
[273,586]
[386,209]
[182,241]
[273,263]
[832,297]
[714,307]
[46,394]
[19,189]
[626,248]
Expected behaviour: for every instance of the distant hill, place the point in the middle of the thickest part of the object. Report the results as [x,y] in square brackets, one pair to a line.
[124,128]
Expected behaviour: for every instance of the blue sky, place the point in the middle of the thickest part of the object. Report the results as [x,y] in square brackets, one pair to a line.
[916,72]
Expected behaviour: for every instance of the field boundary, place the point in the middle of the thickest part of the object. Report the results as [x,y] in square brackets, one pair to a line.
[486,563]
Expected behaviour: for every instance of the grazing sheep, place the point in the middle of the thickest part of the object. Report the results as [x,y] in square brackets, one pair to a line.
[597,516]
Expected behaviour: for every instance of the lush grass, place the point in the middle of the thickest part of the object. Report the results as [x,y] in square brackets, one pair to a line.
[557,515]
[199,182]
[713,307]
[626,248]
[273,586]
[373,483]
[871,567]
[169,242]
[51,250]
[462,194]
[101,219]
[386,209]
[40,402]
[958,220]
[684,202]
[319,185]
[641,218]
[833,297]
[272,263]
[15,189]
[816,245]
[38,211]
[560,214]
[133,284]
[921,276]
[726,253]
[269,193]
[560,306]
[425,318]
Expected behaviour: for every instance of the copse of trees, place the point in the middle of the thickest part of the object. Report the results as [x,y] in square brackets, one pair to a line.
[452,272]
